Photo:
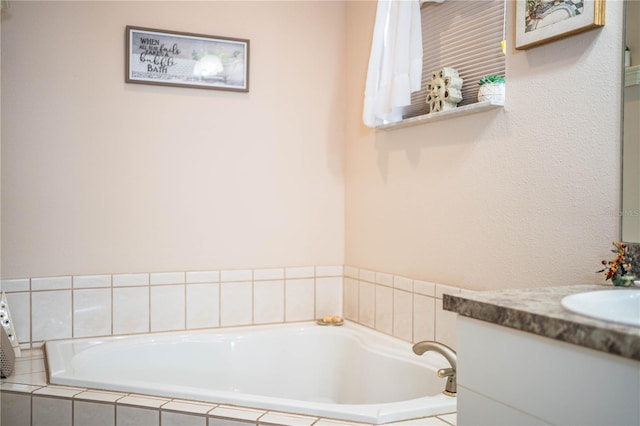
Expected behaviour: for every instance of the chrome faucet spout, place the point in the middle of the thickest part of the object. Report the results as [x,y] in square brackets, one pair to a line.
[420,348]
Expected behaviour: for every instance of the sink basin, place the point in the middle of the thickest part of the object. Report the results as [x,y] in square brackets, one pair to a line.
[621,306]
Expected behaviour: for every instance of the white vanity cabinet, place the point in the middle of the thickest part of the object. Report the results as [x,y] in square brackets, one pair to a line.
[523,360]
[510,377]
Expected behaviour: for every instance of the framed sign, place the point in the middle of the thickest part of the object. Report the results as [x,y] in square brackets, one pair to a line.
[172,58]
[542,21]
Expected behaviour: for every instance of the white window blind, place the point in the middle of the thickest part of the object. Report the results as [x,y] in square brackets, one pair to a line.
[460,34]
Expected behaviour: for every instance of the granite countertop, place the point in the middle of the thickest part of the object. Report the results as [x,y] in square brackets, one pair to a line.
[538,311]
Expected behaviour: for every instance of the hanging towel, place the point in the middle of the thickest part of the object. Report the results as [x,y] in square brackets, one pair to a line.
[395,61]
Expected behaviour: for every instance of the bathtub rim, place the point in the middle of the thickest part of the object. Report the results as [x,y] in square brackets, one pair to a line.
[371,339]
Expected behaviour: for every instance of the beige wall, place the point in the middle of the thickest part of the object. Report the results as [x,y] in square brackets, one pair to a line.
[524,196]
[99,176]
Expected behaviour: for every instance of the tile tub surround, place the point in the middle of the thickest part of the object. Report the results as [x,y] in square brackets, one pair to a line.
[402,307]
[405,308]
[539,311]
[118,304]
[28,400]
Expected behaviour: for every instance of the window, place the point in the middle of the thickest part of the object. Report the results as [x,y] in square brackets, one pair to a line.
[464,35]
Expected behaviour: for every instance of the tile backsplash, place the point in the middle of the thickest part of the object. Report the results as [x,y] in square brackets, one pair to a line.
[402,307]
[115,304]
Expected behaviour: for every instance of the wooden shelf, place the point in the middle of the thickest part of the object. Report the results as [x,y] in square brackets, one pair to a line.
[632,76]
[437,116]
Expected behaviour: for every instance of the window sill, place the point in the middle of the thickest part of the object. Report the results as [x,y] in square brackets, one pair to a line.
[437,116]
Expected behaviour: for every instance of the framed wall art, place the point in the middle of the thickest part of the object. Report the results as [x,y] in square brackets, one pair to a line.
[172,58]
[542,21]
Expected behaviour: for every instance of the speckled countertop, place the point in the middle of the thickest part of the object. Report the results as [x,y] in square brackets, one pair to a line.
[539,311]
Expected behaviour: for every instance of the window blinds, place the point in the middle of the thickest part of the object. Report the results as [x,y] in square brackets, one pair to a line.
[464,35]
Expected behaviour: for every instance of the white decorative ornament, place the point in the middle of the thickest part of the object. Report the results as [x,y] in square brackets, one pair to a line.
[494,92]
[444,91]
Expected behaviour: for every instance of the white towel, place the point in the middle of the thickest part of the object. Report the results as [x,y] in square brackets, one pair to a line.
[395,61]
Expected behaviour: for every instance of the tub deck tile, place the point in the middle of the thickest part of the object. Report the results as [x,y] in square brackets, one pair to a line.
[326,422]
[60,391]
[188,407]
[143,401]
[99,396]
[425,421]
[236,413]
[18,387]
[282,419]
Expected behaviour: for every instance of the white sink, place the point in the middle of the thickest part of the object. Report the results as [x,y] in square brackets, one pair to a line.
[619,305]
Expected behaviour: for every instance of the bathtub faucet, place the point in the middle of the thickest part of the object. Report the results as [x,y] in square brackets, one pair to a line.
[451,387]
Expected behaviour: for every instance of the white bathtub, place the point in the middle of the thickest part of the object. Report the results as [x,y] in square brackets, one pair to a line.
[348,372]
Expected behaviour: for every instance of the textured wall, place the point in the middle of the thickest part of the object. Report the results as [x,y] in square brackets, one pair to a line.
[99,176]
[523,196]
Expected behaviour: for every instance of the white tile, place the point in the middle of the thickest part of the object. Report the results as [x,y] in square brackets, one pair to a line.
[329,271]
[203,277]
[27,365]
[350,297]
[203,305]
[143,401]
[15,409]
[402,283]
[424,318]
[403,315]
[130,280]
[300,272]
[326,422]
[92,312]
[51,314]
[170,418]
[50,283]
[268,274]
[425,288]
[99,396]
[384,309]
[94,413]
[59,391]
[51,411]
[226,412]
[367,303]
[384,279]
[167,278]
[213,421]
[236,275]
[20,308]
[328,296]
[268,301]
[366,275]
[167,308]
[236,303]
[351,271]
[6,387]
[21,284]
[299,302]
[130,310]
[445,325]
[425,421]
[189,407]
[136,416]
[33,379]
[91,281]
[282,419]
[441,289]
